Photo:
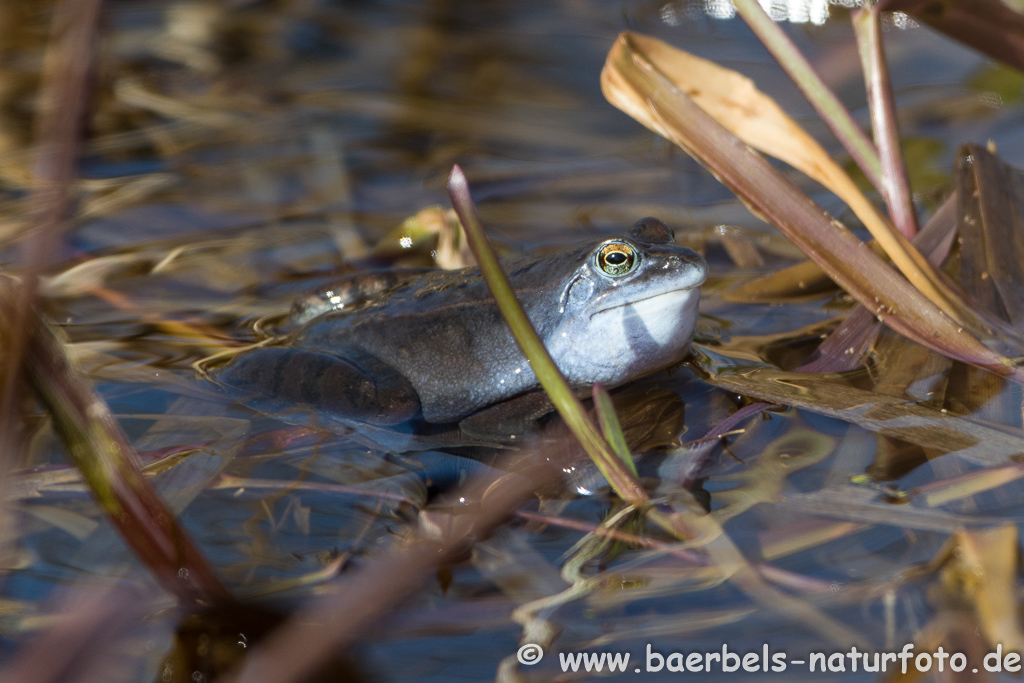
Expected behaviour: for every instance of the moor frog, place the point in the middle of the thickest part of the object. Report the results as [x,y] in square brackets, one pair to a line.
[433,345]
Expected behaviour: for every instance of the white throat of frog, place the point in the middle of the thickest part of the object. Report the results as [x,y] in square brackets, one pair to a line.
[663,320]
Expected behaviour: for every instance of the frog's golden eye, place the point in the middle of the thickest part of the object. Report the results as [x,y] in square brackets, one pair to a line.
[617,258]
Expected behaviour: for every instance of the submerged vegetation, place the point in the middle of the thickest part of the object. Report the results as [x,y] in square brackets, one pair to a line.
[837,464]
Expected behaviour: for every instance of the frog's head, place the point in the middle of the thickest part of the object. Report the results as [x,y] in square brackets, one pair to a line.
[630,306]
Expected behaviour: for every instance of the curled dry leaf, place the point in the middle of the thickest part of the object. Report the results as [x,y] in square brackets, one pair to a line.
[638,86]
[734,101]
[85,277]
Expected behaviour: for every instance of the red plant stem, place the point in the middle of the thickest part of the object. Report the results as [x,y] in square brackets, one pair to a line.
[884,121]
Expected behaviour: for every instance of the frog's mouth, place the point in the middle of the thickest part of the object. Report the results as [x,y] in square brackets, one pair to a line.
[663,317]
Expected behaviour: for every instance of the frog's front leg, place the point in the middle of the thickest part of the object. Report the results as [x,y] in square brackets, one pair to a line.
[362,389]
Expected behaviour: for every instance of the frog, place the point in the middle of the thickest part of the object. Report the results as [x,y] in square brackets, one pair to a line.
[432,347]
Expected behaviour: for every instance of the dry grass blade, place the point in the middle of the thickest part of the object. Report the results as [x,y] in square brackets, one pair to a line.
[864,504]
[637,86]
[806,278]
[967,485]
[226,481]
[988,26]
[99,449]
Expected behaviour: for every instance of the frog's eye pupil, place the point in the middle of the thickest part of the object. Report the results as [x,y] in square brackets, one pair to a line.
[617,258]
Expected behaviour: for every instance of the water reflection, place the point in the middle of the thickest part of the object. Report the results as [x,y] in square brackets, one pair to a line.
[793,11]
[301,136]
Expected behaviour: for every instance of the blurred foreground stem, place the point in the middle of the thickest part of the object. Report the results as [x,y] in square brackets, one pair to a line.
[99,449]
[62,103]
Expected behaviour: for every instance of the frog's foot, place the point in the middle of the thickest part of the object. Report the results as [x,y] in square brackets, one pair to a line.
[368,391]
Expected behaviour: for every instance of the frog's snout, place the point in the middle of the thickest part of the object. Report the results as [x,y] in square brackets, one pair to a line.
[696,264]
[687,268]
